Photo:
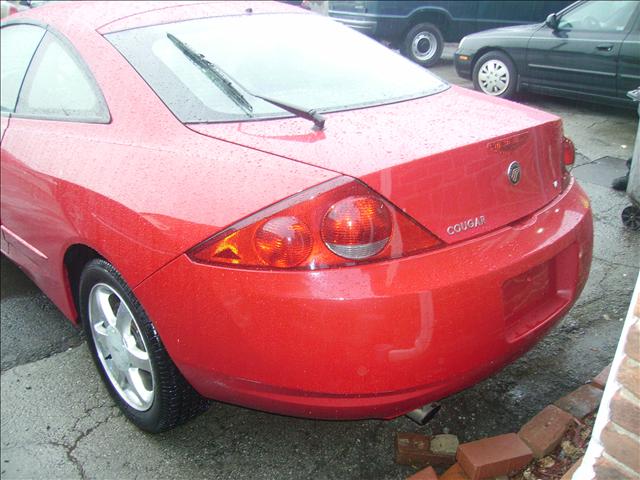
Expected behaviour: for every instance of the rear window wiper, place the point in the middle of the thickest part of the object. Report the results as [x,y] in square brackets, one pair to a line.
[222,80]
[315,117]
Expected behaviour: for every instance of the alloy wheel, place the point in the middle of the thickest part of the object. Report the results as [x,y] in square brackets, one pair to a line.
[120,347]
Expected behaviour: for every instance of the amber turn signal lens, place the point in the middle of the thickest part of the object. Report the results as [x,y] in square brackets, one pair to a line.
[357,227]
[283,242]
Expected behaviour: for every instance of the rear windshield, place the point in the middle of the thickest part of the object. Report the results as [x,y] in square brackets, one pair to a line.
[303,60]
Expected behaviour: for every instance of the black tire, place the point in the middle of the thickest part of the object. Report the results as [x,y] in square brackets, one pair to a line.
[172,401]
[496,58]
[423,44]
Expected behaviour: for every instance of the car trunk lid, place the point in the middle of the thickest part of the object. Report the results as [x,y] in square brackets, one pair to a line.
[443,159]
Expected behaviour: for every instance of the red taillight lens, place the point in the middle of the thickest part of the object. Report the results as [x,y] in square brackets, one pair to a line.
[283,242]
[357,227]
[337,223]
[568,152]
[568,157]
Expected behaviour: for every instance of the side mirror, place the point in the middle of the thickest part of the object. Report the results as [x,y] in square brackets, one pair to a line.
[552,21]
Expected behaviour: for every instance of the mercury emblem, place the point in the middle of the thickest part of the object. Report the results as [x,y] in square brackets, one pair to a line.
[514,172]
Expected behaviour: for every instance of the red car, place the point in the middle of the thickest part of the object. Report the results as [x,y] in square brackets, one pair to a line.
[254,204]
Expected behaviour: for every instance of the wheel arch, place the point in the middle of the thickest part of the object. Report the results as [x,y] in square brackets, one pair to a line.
[74,260]
[488,49]
[437,16]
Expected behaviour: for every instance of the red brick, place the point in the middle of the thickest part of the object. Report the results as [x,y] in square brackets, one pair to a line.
[427,474]
[412,449]
[606,469]
[568,475]
[625,412]
[544,431]
[494,456]
[621,446]
[600,380]
[581,402]
[629,375]
[454,473]
[440,459]
[632,347]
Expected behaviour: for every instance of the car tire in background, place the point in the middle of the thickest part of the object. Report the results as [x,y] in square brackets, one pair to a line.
[423,44]
[495,74]
[133,363]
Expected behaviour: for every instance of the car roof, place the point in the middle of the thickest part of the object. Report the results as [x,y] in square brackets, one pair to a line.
[112,16]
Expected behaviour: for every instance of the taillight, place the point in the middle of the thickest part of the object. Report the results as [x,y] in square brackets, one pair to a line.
[568,152]
[337,223]
[357,227]
[568,157]
[283,242]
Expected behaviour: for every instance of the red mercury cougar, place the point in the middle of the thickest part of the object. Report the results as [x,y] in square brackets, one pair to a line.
[252,203]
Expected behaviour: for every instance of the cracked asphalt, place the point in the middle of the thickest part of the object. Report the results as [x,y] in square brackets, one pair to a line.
[57,420]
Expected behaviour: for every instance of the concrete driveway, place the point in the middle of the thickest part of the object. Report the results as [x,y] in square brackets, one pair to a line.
[58,422]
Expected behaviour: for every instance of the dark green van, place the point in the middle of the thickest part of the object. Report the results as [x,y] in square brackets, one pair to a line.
[420,29]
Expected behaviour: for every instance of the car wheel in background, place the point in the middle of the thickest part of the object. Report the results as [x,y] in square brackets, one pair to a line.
[631,217]
[423,44]
[129,354]
[495,74]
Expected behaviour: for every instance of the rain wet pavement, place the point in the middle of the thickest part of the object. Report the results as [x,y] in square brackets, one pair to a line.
[58,422]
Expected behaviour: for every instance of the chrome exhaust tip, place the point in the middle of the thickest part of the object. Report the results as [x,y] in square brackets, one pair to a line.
[423,414]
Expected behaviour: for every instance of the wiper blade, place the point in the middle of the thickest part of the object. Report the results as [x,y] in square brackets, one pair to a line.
[221,79]
[315,117]
[215,74]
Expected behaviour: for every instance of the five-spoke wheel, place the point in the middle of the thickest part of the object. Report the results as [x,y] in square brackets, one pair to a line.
[120,347]
[126,348]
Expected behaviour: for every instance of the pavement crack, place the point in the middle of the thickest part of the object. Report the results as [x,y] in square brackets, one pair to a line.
[587,303]
[575,167]
[70,447]
[598,122]
[612,264]
[69,451]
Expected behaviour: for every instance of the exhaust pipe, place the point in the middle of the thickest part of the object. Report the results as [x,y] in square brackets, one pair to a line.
[423,414]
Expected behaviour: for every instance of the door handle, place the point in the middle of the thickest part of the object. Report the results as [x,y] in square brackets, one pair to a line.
[605,47]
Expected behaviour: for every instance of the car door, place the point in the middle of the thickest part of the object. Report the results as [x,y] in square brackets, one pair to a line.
[18,45]
[56,98]
[581,53]
[629,62]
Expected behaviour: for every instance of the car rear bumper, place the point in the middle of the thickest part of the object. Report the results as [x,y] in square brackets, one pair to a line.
[378,340]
